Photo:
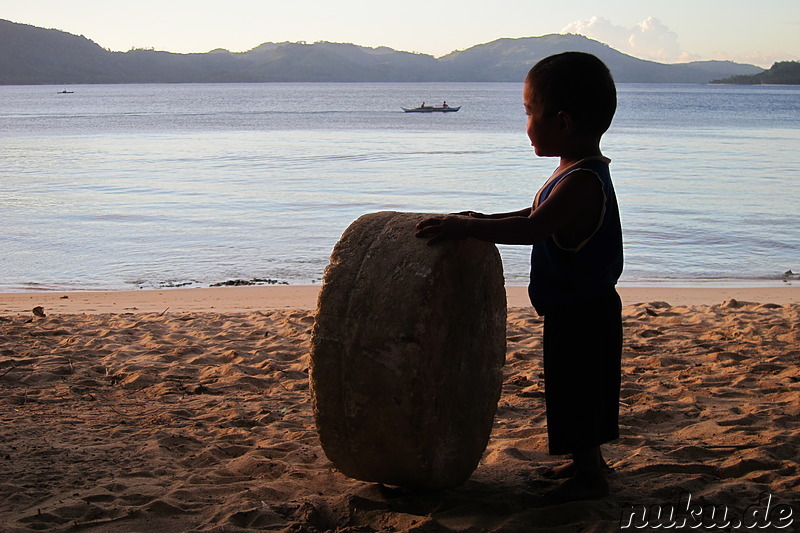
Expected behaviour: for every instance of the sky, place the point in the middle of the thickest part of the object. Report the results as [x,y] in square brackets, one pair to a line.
[668,31]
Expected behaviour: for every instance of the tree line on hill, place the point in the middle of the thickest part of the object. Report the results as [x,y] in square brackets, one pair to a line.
[781,73]
[32,55]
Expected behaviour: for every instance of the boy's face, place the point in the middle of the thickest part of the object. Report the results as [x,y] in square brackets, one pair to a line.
[544,130]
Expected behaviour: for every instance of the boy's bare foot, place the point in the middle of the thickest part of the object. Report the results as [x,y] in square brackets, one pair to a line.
[567,470]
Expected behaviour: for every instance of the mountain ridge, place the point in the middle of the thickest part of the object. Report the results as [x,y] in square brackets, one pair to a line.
[31,55]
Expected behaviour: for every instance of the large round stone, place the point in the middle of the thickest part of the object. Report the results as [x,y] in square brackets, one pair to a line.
[407,353]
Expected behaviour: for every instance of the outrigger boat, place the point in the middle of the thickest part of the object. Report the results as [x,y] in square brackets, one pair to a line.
[444,108]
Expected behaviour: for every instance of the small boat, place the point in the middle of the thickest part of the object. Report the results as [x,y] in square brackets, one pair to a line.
[444,108]
[65,92]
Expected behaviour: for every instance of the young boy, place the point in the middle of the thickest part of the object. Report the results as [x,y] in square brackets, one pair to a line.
[575,231]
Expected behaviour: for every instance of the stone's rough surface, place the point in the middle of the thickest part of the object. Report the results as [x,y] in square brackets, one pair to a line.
[407,353]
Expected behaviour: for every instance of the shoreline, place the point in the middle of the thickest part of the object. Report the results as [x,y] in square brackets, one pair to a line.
[254,298]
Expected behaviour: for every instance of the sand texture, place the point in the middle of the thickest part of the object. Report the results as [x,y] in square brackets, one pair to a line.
[201,421]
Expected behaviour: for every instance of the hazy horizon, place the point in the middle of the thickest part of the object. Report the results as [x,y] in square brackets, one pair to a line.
[675,32]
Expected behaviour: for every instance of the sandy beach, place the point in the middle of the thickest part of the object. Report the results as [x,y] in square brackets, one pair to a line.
[255,298]
[187,410]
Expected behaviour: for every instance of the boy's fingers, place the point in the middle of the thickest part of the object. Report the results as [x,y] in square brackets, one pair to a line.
[426,232]
[428,222]
[432,232]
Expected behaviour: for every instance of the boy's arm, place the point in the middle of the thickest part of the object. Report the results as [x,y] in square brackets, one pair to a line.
[579,191]
[521,213]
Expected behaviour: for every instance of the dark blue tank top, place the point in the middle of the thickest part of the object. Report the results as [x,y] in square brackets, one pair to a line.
[561,276]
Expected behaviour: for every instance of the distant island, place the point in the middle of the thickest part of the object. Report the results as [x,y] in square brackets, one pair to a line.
[31,55]
[781,73]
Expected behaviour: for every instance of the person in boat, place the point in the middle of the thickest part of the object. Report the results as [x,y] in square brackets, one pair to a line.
[574,227]
[444,105]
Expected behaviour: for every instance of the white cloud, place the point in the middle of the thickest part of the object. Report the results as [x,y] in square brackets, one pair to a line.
[655,39]
[650,39]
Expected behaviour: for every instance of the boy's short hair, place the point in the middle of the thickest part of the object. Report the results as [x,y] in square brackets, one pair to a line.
[578,83]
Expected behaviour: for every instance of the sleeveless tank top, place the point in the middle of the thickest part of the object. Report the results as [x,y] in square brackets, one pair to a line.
[563,276]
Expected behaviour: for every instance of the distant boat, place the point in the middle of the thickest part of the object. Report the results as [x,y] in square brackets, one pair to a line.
[444,108]
[65,92]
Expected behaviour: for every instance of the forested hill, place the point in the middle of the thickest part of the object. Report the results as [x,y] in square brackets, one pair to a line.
[31,55]
[781,73]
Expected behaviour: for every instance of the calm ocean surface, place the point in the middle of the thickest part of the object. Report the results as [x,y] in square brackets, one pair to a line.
[129,186]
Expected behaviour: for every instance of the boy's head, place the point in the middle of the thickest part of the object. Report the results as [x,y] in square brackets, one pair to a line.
[577,83]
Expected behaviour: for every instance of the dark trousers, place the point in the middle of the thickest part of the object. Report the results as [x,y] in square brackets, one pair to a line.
[582,368]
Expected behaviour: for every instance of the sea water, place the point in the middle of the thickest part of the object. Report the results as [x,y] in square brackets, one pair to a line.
[147,186]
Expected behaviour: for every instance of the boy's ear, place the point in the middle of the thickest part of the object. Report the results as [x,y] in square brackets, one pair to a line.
[565,122]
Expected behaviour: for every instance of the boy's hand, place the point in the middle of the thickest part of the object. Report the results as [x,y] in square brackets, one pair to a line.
[436,229]
[473,214]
